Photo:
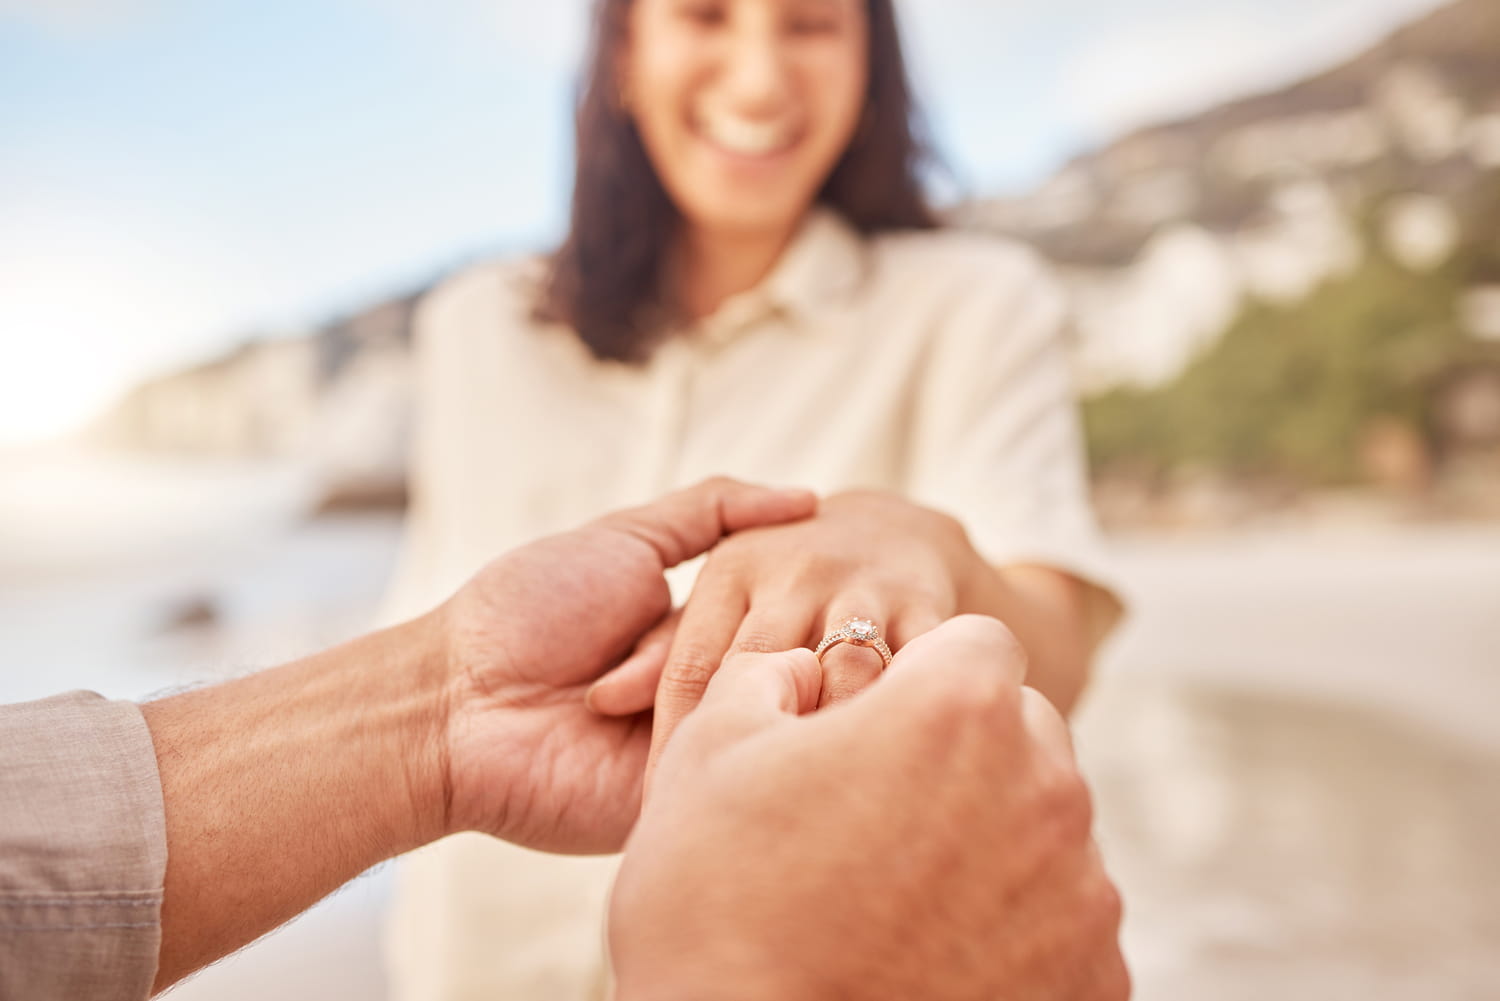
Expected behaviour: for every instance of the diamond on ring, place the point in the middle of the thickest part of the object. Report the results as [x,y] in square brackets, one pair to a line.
[857,631]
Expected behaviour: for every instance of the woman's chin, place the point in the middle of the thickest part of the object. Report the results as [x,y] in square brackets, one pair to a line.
[748,219]
[761,209]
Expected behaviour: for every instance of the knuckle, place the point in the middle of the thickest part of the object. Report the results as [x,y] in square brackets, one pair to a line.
[731,543]
[688,673]
[729,562]
[1110,979]
[1109,906]
[1064,800]
[914,582]
[812,571]
[947,525]
[1098,904]
[758,641]
[992,642]
[958,698]
[936,592]
[990,633]
[723,556]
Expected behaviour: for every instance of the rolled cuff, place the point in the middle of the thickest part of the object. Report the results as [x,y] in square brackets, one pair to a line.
[83,850]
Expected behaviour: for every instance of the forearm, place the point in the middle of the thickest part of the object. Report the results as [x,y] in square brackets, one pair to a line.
[1047,610]
[282,786]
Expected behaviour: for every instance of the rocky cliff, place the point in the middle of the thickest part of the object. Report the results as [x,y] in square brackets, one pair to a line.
[1165,234]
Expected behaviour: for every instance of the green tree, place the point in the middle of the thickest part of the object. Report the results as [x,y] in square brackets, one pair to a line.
[1288,390]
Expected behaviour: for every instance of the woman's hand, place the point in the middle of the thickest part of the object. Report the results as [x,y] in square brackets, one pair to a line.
[872,555]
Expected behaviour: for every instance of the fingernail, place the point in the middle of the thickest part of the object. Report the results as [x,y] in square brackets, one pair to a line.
[590,696]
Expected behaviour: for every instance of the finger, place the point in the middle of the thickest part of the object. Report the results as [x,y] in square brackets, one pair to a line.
[847,668]
[972,659]
[1049,731]
[912,622]
[631,687]
[965,646]
[709,620]
[751,692]
[687,523]
[774,625]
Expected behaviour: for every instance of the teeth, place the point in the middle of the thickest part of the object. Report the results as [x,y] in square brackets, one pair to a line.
[748,138]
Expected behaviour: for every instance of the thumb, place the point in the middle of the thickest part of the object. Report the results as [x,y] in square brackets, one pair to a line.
[763,688]
[750,692]
[968,658]
[690,522]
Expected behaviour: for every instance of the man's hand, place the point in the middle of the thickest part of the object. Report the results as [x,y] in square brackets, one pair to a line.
[930,838]
[526,760]
[283,785]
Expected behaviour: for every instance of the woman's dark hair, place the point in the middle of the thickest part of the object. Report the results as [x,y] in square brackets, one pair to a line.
[606,279]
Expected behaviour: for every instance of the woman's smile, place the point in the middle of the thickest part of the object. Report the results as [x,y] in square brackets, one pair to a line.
[745,107]
[744,138]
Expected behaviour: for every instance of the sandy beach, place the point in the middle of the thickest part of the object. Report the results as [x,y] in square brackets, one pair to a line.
[1297,769]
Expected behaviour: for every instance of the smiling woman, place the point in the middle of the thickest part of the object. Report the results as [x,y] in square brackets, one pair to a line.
[752,285]
[732,117]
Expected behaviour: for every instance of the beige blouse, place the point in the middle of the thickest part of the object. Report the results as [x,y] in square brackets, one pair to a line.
[933,364]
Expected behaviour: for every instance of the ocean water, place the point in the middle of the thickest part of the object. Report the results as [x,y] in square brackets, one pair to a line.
[101,558]
[1297,768]
[127,575]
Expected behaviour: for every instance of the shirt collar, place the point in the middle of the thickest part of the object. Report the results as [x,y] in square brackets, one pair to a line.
[824,263]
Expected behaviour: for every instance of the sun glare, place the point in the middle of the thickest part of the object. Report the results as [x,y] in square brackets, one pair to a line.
[84,314]
[50,382]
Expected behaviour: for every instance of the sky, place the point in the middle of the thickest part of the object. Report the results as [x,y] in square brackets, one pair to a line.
[178,175]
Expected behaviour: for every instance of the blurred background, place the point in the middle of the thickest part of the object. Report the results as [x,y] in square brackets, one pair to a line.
[1280,224]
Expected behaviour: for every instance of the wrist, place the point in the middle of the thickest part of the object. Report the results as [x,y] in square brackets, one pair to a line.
[983,589]
[418,746]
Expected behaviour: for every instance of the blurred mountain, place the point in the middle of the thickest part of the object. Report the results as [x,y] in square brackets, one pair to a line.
[1298,288]
[1301,287]
[336,398]
[1165,233]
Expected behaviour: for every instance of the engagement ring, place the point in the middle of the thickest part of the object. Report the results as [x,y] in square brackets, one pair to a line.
[860,632]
